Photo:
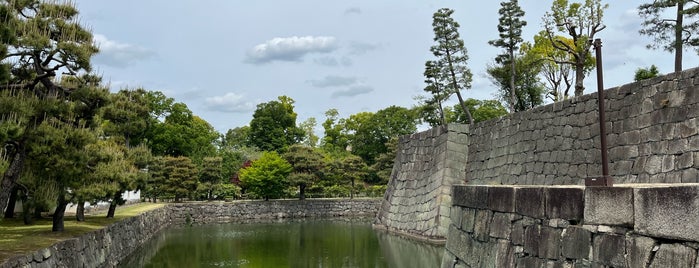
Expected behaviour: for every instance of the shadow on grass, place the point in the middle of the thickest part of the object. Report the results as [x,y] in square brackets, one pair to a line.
[19,239]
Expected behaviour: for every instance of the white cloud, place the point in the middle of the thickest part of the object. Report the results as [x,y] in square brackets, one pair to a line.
[333,81]
[120,55]
[230,102]
[352,91]
[291,49]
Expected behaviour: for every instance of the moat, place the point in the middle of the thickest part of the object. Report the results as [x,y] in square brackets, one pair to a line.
[290,243]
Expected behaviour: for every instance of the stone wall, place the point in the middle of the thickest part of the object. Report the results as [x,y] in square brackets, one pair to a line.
[418,197]
[653,136]
[573,226]
[107,247]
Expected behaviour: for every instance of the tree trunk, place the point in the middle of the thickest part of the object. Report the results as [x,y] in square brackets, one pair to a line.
[10,211]
[513,90]
[112,205]
[352,190]
[579,77]
[60,212]
[678,36]
[302,191]
[27,207]
[80,211]
[457,90]
[12,175]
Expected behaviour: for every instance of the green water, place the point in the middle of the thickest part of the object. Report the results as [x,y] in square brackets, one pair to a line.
[308,243]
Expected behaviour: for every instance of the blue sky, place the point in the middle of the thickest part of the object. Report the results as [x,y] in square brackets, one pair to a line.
[222,58]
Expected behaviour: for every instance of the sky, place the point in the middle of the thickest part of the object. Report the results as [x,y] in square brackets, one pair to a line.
[223,57]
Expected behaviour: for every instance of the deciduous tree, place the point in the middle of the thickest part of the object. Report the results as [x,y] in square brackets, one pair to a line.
[273,126]
[580,21]
[267,176]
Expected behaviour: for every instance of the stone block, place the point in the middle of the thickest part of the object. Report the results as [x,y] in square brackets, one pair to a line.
[501,225]
[470,196]
[468,219]
[609,206]
[575,243]
[456,215]
[638,250]
[517,234]
[532,239]
[530,262]
[550,245]
[501,199]
[674,255]
[481,229]
[564,203]
[504,254]
[608,250]
[529,201]
[667,212]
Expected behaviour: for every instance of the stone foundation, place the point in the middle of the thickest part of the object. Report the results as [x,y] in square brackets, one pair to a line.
[624,226]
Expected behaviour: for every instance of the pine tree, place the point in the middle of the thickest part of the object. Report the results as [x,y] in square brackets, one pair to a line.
[452,56]
[671,34]
[510,28]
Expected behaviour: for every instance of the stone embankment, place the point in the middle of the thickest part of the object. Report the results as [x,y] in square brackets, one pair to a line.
[624,226]
[418,196]
[107,247]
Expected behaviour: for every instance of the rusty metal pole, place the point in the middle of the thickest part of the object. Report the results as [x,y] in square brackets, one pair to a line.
[606,179]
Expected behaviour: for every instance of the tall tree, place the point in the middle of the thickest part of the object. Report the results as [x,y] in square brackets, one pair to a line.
[353,169]
[510,27]
[581,21]
[555,67]
[273,125]
[47,39]
[372,131]
[671,34]
[334,138]
[452,56]
[267,176]
[307,164]
[308,127]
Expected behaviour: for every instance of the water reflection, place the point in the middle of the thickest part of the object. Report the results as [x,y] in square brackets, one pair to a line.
[309,243]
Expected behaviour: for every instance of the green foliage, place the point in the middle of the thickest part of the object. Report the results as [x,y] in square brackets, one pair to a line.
[529,91]
[307,164]
[383,165]
[267,176]
[452,56]
[352,169]
[555,64]
[210,175]
[238,137]
[180,176]
[226,191]
[581,21]
[273,125]
[481,109]
[372,131]
[431,109]
[183,134]
[645,73]
[335,138]
[671,34]
[308,127]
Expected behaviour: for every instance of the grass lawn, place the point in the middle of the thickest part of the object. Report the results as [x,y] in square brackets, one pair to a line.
[17,238]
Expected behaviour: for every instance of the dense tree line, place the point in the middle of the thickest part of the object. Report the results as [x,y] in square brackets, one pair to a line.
[68,139]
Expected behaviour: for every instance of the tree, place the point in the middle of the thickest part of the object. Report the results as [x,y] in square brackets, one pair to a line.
[481,109]
[307,165]
[238,137]
[183,134]
[645,73]
[267,176]
[273,125]
[334,140]
[180,176]
[372,131]
[383,165]
[555,68]
[40,39]
[529,91]
[210,175]
[308,127]
[510,28]
[581,22]
[671,34]
[439,93]
[353,168]
[452,56]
